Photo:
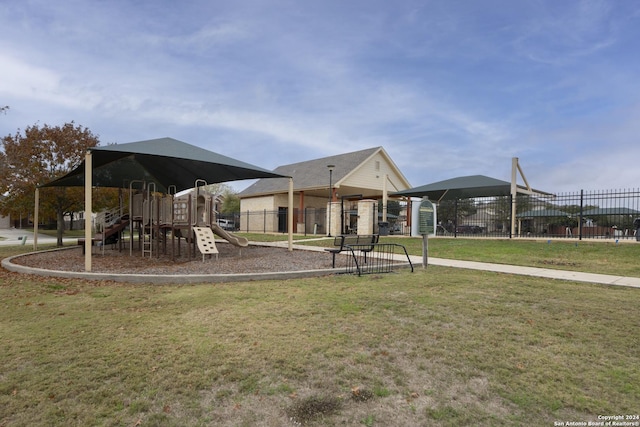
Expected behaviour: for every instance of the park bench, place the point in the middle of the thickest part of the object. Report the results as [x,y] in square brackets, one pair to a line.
[81,243]
[363,242]
[111,240]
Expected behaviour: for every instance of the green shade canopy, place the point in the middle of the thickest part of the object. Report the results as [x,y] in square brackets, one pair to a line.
[165,161]
[543,213]
[460,188]
[611,211]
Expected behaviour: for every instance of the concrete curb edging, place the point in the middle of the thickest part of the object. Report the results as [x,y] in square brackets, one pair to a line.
[162,278]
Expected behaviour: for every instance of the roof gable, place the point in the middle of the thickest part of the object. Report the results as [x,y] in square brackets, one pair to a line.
[371,173]
[311,174]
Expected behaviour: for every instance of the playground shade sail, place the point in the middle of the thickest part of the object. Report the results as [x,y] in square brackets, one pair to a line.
[165,161]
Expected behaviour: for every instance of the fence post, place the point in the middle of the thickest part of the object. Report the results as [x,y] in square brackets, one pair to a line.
[580,217]
[511,215]
[455,218]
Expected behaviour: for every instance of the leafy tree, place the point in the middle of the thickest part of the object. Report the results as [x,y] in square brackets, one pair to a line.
[231,203]
[37,156]
[393,207]
[503,209]
[452,212]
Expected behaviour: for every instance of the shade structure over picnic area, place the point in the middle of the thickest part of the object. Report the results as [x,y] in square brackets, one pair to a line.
[543,213]
[611,211]
[466,187]
[167,162]
[461,188]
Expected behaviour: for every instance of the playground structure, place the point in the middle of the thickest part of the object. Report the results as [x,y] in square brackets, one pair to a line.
[154,218]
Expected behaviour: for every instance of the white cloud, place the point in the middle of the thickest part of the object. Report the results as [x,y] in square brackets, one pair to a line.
[20,79]
[446,89]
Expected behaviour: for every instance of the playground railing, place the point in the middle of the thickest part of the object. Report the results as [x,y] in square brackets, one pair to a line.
[106,218]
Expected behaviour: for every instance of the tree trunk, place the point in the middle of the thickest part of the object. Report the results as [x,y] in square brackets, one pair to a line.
[60,227]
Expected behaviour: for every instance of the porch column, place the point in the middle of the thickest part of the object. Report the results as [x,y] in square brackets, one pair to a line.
[385,198]
[290,216]
[366,216]
[301,220]
[333,218]
[514,194]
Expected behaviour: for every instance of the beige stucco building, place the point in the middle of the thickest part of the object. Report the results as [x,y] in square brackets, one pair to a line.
[359,181]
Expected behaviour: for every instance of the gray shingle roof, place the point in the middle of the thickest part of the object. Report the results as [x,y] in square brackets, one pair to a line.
[312,174]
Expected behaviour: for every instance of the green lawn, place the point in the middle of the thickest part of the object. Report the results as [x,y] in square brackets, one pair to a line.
[441,347]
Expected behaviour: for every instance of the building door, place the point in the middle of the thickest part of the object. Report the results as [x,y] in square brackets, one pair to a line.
[282,220]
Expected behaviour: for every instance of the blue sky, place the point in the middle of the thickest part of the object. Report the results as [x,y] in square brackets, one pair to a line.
[448,88]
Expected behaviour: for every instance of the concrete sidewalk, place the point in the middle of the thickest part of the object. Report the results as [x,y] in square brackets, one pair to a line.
[15,237]
[548,273]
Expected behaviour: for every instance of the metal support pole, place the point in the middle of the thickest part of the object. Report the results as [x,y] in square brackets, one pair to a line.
[290,219]
[425,250]
[88,184]
[514,193]
[580,217]
[35,220]
[330,198]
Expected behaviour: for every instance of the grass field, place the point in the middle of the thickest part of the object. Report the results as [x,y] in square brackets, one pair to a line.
[441,347]
[621,259]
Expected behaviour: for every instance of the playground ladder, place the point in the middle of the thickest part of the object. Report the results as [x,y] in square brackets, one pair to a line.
[147,240]
[147,245]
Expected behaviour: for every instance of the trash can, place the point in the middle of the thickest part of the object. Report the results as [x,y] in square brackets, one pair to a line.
[636,225]
[383,228]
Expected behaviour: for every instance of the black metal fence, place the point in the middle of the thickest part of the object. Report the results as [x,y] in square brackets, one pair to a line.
[308,221]
[609,214]
[605,214]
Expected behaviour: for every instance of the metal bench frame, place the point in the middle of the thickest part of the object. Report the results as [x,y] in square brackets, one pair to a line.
[364,242]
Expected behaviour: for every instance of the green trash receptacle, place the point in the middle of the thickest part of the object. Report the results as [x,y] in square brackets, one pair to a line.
[383,228]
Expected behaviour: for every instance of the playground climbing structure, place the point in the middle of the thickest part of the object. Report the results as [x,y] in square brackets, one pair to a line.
[154,219]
